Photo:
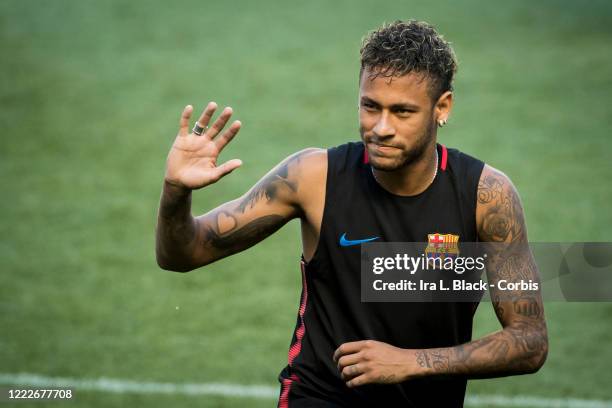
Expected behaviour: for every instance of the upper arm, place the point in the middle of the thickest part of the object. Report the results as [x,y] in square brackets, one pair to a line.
[241,223]
[501,224]
[499,212]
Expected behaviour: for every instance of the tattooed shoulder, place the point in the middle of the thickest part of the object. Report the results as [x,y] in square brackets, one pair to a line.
[283,179]
[499,210]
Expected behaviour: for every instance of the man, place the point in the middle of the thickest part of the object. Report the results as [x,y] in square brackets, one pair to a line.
[397,184]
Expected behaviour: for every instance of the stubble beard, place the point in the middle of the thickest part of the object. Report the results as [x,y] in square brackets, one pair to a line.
[407,157]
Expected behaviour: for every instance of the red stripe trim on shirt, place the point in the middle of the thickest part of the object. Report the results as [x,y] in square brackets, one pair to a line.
[283,401]
[366,158]
[296,347]
[444,158]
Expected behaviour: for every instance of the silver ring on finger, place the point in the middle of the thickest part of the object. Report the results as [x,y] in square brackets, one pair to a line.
[197,129]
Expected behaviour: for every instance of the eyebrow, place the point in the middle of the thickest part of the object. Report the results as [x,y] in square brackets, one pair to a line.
[405,105]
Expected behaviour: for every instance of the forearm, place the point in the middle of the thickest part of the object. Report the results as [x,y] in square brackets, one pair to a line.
[520,348]
[176,231]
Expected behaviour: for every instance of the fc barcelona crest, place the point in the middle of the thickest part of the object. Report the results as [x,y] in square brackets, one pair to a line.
[442,246]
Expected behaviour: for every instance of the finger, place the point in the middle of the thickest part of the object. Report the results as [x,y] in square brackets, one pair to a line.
[226,168]
[348,348]
[184,121]
[352,371]
[228,135]
[348,360]
[207,113]
[357,381]
[219,123]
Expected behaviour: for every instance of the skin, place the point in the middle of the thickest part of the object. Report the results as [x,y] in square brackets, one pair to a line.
[520,347]
[293,189]
[397,123]
[398,119]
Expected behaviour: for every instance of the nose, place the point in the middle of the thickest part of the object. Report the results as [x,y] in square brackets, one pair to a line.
[383,126]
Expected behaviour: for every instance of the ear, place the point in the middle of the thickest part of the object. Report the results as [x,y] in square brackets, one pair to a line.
[442,108]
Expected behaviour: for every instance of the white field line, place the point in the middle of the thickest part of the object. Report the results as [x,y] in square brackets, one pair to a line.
[532,402]
[264,391]
[126,386]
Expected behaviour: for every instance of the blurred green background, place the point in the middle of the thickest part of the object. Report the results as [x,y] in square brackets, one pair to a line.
[90,99]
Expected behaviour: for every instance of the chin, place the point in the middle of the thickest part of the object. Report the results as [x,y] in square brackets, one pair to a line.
[386,164]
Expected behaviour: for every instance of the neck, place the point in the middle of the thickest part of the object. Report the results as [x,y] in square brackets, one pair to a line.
[412,179]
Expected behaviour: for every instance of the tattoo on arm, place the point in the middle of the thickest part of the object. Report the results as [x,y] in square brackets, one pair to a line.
[224,234]
[518,349]
[175,231]
[432,359]
[245,236]
[503,218]
[270,186]
[522,345]
[527,306]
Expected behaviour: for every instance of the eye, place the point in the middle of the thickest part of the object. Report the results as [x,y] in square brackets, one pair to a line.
[369,106]
[404,111]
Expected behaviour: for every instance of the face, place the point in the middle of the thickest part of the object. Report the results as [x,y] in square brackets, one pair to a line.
[398,118]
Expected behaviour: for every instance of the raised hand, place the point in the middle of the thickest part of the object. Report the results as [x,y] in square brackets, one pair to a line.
[192,161]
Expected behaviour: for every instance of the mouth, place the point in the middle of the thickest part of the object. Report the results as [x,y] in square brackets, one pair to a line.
[383,148]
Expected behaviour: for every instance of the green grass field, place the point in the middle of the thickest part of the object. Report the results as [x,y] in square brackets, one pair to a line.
[90,98]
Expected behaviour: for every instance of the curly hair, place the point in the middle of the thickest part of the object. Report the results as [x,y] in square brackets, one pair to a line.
[399,48]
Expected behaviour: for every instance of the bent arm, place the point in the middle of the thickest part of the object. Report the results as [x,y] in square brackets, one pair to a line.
[185,242]
[522,344]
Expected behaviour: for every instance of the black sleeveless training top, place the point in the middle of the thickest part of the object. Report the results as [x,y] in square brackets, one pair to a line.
[331,311]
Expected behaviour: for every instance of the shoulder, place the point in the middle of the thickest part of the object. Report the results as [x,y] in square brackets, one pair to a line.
[313,164]
[308,163]
[499,212]
[312,155]
[311,158]
[305,170]
[493,184]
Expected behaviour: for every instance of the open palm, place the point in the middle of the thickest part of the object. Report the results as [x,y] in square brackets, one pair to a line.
[192,161]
